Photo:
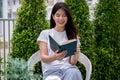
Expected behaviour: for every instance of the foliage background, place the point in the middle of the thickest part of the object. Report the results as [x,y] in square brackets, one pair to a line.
[31,20]
[80,14]
[107,33]
[99,38]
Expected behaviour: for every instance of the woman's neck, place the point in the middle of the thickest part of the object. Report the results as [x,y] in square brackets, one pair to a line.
[59,29]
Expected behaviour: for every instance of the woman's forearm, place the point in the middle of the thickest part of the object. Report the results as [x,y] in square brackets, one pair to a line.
[74,59]
[48,59]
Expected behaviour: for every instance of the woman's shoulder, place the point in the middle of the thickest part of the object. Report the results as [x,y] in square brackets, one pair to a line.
[45,31]
[43,35]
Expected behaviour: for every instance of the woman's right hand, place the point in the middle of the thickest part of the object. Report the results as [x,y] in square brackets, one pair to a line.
[60,55]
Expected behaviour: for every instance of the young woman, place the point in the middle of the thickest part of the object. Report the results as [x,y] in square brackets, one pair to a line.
[62,29]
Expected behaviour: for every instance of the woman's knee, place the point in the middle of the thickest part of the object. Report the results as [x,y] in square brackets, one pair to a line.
[72,74]
[72,70]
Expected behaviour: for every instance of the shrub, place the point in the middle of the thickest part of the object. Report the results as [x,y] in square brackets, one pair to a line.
[16,69]
[107,29]
[80,13]
[31,20]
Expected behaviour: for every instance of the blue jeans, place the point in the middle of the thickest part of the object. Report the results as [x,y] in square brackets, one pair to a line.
[72,73]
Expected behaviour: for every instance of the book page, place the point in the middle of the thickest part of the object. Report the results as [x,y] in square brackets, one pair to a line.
[68,41]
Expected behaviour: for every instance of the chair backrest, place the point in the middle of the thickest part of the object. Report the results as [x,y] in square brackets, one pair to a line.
[82,59]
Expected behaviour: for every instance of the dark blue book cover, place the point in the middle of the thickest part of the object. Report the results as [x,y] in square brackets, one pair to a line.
[69,45]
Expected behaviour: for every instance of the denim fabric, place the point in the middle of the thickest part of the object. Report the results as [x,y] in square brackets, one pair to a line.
[71,73]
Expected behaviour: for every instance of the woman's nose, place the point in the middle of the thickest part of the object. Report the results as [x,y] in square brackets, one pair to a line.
[61,17]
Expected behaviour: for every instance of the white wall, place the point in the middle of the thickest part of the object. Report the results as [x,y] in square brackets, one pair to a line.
[5,8]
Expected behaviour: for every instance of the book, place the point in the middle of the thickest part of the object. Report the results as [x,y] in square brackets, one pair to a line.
[69,45]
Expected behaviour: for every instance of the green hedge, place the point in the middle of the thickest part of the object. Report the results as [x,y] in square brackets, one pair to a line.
[31,20]
[80,13]
[107,29]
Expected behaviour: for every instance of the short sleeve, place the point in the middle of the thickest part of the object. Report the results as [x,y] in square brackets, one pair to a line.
[78,41]
[43,36]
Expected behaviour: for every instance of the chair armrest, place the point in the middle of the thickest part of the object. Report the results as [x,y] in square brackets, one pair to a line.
[35,58]
[87,64]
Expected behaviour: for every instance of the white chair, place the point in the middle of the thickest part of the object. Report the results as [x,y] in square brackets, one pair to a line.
[82,59]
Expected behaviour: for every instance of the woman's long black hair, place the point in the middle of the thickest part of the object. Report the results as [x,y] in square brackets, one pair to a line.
[70,28]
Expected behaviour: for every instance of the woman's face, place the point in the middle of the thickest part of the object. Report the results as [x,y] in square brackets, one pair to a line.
[60,18]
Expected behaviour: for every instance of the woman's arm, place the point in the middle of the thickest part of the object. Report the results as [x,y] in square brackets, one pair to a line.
[44,53]
[74,58]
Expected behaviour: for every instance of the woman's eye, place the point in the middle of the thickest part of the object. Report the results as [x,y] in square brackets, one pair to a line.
[64,15]
[57,15]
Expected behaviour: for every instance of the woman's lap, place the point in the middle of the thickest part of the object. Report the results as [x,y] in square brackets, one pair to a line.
[72,73]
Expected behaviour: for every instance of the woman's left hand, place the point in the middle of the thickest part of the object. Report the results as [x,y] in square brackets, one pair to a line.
[74,58]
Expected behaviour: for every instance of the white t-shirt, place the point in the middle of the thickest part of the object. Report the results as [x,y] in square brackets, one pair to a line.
[60,37]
